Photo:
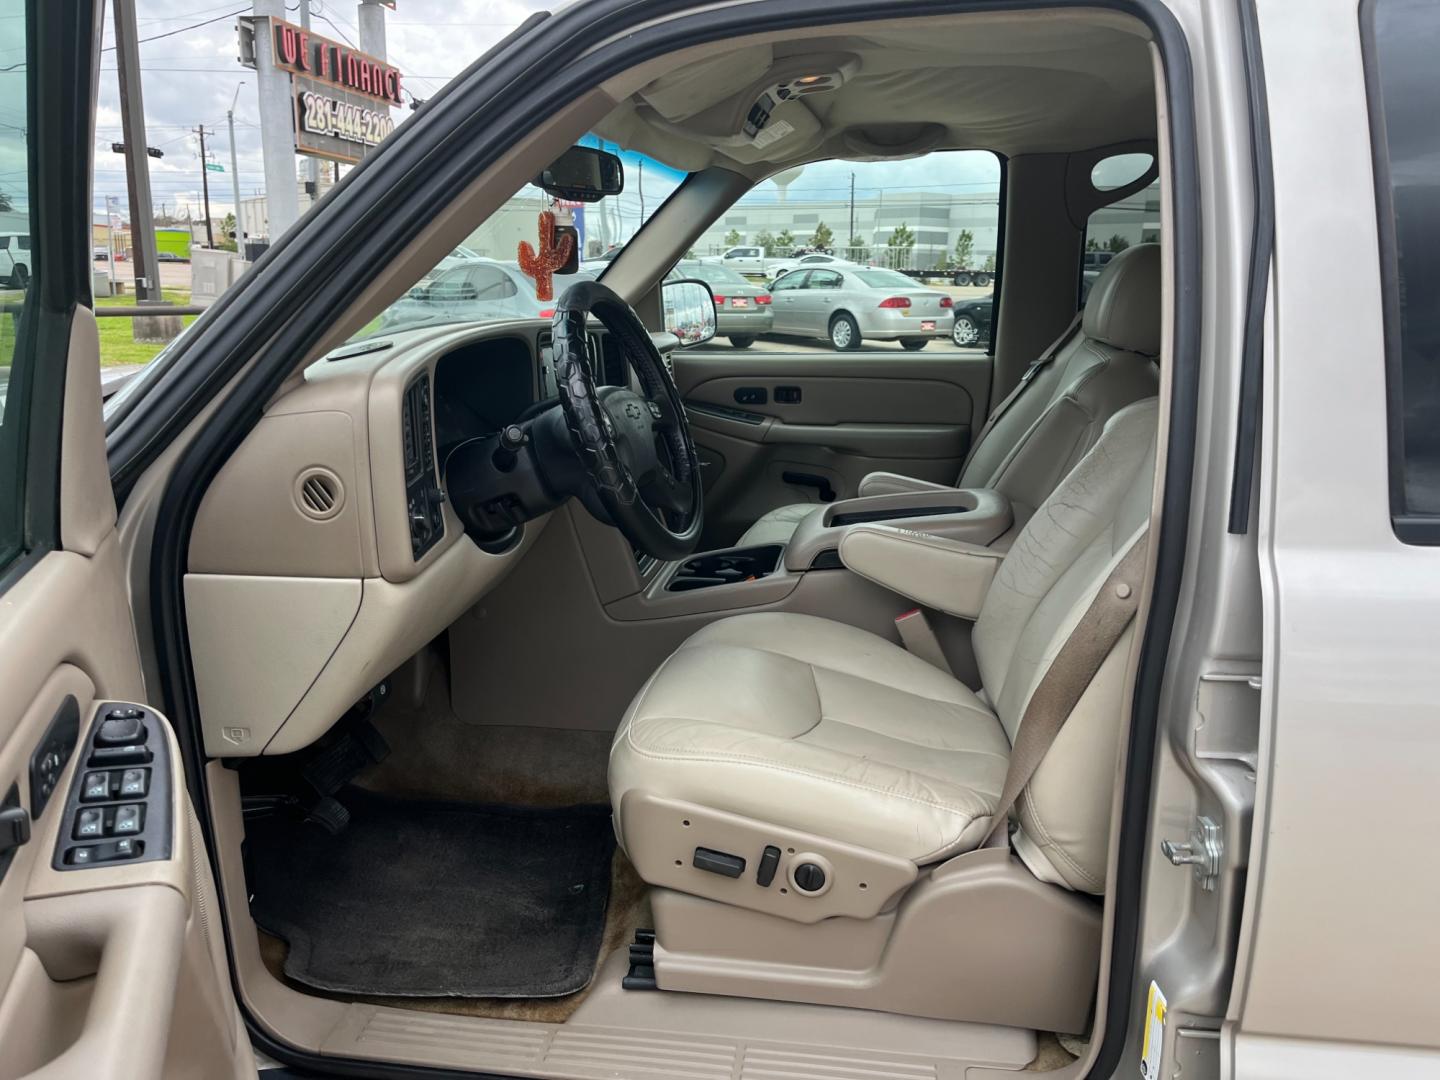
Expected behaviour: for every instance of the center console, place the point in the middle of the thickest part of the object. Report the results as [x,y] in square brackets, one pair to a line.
[973,515]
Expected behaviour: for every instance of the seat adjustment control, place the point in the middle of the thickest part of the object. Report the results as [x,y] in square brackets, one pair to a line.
[769,862]
[809,878]
[719,862]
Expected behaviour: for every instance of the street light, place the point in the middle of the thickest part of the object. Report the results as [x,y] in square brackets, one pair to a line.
[235,167]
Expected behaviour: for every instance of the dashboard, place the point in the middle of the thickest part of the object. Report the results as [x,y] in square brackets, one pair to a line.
[326,543]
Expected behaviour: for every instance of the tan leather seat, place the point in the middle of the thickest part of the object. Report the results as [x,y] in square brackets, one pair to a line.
[813,725]
[1060,412]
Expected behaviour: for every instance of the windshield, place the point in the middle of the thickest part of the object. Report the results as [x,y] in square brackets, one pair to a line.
[481,279]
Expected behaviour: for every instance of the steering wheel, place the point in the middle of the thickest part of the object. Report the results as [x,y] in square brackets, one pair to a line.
[634,450]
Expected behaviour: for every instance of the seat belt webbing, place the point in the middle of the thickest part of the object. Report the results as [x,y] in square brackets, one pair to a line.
[1069,675]
[1036,366]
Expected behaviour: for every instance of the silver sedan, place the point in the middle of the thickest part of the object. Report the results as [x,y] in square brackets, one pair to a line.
[849,305]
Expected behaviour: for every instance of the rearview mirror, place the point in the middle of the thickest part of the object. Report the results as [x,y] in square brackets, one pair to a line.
[689,310]
[583,174]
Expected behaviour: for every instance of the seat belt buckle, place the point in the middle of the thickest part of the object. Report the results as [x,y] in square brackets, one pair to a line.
[918,637]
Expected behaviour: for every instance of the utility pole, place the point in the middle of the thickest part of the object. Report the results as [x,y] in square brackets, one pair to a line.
[370,18]
[851,238]
[137,167]
[312,163]
[277,136]
[642,192]
[205,188]
[235,172]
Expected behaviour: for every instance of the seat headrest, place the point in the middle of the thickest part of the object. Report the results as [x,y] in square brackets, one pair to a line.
[1124,305]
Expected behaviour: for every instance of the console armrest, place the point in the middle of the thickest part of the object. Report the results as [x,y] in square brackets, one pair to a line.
[974,515]
[948,575]
[889,483]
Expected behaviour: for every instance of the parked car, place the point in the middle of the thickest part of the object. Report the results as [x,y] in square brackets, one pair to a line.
[458,257]
[101,254]
[170,256]
[799,262]
[848,305]
[972,321]
[478,288]
[15,259]
[746,259]
[596,264]
[743,309]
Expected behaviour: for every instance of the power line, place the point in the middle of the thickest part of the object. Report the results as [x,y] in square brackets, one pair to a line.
[183,29]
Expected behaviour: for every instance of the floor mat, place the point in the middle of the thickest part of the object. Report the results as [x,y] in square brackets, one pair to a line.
[425,899]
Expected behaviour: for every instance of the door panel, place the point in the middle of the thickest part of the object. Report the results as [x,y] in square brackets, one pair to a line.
[106,966]
[837,416]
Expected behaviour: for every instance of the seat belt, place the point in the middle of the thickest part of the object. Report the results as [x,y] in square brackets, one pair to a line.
[1036,366]
[1068,677]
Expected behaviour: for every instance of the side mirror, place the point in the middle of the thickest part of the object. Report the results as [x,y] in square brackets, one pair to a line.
[689,310]
[583,174]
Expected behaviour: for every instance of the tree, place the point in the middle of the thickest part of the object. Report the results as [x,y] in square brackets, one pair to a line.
[900,242]
[224,242]
[5,203]
[1117,244]
[822,237]
[989,266]
[856,247]
[765,241]
[964,249]
[785,241]
[733,237]
[1091,244]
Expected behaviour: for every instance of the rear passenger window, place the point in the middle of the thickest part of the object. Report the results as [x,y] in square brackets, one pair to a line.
[1402,41]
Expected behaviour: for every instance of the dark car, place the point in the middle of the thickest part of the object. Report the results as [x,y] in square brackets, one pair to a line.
[972,321]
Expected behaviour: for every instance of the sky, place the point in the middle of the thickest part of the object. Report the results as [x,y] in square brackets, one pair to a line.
[190,76]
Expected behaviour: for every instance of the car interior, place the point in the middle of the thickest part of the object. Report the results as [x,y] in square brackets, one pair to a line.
[577,702]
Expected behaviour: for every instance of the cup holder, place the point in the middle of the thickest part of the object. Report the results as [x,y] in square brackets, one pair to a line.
[726,568]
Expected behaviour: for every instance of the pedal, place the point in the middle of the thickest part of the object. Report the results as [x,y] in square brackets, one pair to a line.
[329,814]
[641,975]
[259,806]
[355,749]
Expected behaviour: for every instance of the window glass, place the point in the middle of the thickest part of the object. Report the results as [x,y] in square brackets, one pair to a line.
[791,281]
[935,211]
[884,279]
[1120,169]
[1404,39]
[15,273]
[482,280]
[824,279]
[1135,219]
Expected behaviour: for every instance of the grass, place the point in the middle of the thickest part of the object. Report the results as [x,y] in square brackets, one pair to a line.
[117,334]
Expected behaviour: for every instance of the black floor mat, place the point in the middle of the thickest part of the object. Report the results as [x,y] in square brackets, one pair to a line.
[423,899]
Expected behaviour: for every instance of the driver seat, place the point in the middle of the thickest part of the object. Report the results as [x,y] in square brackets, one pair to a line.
[785,724]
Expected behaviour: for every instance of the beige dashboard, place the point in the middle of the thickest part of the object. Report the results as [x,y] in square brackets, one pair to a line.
[311,573]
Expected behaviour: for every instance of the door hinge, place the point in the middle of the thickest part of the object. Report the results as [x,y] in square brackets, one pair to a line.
[1201,853]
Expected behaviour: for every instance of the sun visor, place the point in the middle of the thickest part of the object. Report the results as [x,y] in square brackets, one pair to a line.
[699,86]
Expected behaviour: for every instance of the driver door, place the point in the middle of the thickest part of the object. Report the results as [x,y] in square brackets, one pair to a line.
[109,961]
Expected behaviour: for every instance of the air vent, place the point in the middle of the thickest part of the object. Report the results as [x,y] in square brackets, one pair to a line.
[319,494]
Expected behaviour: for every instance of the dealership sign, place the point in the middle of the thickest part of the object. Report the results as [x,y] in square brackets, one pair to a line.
[303,53]
[341,97]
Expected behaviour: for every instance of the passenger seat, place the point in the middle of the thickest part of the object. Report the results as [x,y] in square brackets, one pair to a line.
[1061,409]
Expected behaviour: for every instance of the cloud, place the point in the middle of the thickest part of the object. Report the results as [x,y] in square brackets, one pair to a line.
[189,78]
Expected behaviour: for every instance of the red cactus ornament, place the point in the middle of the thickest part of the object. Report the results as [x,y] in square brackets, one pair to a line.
[551,257]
